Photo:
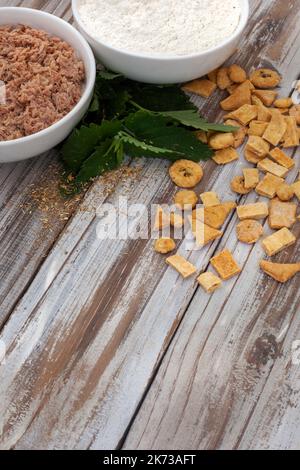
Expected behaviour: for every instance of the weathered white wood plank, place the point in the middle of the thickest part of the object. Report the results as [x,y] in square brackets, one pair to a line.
[275,422]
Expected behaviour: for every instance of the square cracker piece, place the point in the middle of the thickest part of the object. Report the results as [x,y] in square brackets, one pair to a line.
[245,114]
[263,113]
[291,136]
[268,166]
[225,265]
[224,156]
[282,214]
[266,96]
[257,128]
[182,266]
[256,211]
[276,129]
[210,199]
[258,146]
[202,87]
[209,281]
[281,158]
[278,241]
[268,186]
[240,96]
[251,177]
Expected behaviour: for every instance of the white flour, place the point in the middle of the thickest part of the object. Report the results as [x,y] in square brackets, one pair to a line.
[173,27]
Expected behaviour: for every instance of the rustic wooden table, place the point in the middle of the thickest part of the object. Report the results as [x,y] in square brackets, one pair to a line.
[106,347]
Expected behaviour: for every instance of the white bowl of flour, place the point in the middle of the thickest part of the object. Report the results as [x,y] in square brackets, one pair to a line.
[162,41]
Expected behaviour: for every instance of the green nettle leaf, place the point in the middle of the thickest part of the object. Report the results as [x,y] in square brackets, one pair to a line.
[95,105]
[82,142]
[130,141]
[79,145]
[117,106]
[138,119]
[142,123]
[103,159]
[191,118]
[157,131]
[161,98]
[182,142]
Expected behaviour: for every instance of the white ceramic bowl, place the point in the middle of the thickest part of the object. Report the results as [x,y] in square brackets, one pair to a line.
[35,144]
[163,69]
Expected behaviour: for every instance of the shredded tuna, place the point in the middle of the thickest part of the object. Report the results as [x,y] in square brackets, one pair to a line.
[43,80]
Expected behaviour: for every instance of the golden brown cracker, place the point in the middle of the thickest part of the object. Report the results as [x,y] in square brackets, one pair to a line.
[209,281]
[265,78]
[280,272]
[201,87]
[268,186]
[251,177]
[232,88]
[221,140]
[257,128]
[202,136]
[276,128]
[278,241]
[239,135]
[285,192]
[222,157]
[212,76]
[241,96]
[283,103]
[256,211]
[164,245]
[213,216]
[267,97]
[295,112]
[245,114]
[291,136]
[282,214]
[268,166]
[210,199]
[251,157]
[263,113]
[258,146]
[237,74]
[223,80]
[281,158]
[249,231]
[186,199]
[182,266]
[186,173]
[237,185]
[225,265]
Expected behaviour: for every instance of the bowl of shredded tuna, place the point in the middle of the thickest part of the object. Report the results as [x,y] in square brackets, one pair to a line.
[47,76]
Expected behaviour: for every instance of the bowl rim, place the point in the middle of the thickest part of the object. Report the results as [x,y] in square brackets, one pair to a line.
[245,12]
[89,82]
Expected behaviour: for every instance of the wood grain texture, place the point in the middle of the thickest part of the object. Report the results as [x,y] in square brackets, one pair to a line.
[87,328]
[228,380]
